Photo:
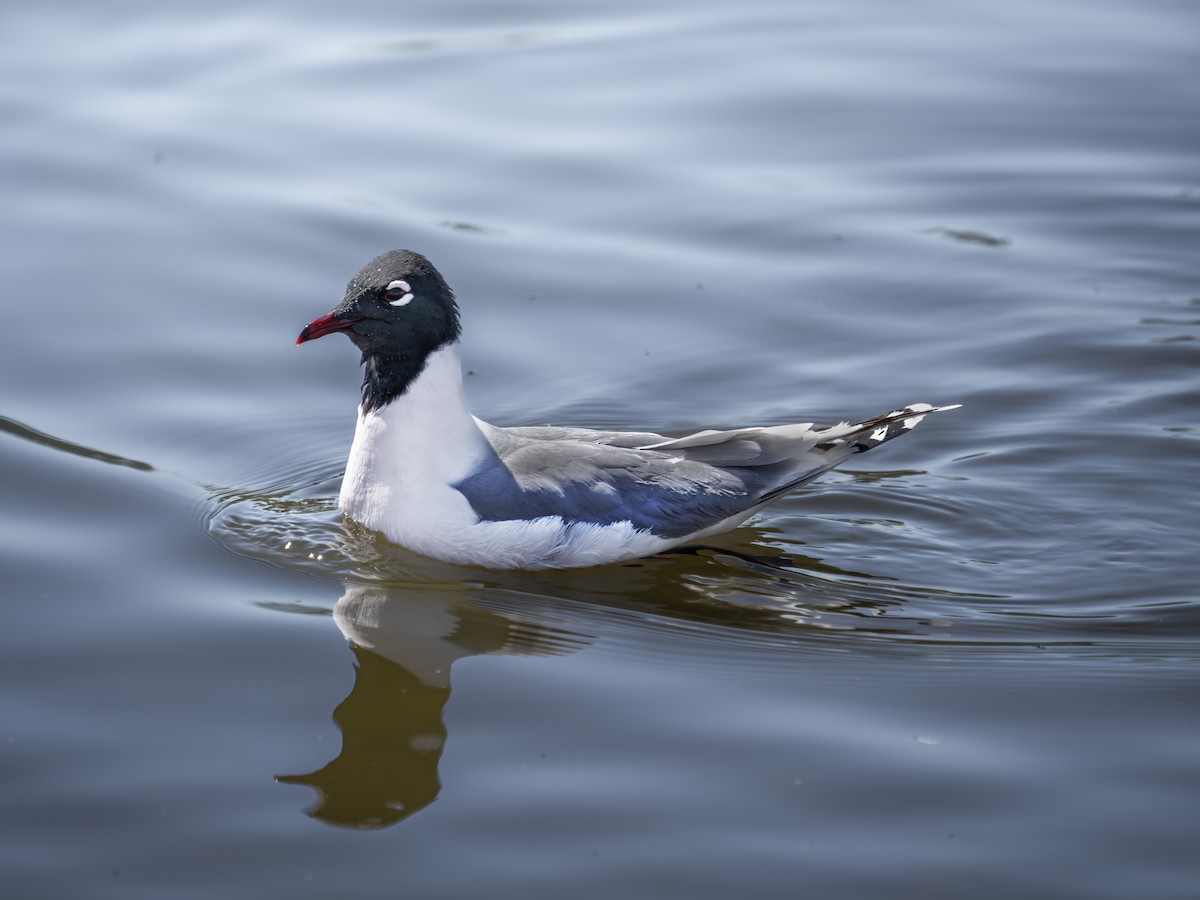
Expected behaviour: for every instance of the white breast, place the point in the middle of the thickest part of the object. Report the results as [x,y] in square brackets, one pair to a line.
[407,455]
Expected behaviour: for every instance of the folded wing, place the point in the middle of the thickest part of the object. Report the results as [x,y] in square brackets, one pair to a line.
[673,487]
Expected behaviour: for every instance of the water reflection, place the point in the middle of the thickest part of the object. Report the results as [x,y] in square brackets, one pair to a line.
[404,644]
[409,618]
[726,605]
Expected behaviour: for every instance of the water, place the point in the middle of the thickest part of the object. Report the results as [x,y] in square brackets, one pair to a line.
[966,665]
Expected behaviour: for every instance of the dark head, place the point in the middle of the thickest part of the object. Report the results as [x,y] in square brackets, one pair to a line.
[397,310]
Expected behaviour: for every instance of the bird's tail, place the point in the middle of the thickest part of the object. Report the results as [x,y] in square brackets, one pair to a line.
[835,444]
[869,434]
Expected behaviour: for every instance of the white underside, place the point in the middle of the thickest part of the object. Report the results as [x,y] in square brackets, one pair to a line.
[399,481]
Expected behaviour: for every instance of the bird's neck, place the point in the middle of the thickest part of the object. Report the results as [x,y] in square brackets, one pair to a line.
[389,375]
[433,403]
[424,436]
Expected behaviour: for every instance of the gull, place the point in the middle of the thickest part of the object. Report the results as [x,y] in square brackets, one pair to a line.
[431,477]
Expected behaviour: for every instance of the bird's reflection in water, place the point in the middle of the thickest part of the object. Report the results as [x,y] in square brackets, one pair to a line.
[408,630]
[404,644]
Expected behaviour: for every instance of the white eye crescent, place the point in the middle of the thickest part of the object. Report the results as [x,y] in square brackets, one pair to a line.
[398,293]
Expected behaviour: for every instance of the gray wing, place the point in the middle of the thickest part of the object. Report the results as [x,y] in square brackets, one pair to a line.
[603,478]
[670,486]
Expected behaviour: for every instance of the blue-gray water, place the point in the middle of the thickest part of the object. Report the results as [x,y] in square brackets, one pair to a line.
[964,667]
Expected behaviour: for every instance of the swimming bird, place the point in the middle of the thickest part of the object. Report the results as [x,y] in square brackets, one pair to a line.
[433,478]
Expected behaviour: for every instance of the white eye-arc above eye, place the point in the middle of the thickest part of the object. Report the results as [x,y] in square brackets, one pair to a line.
[397,286]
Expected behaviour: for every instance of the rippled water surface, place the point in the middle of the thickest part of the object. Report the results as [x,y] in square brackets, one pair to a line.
[964,666]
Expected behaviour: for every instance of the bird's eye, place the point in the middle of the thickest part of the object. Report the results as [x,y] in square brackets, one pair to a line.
[398,293]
